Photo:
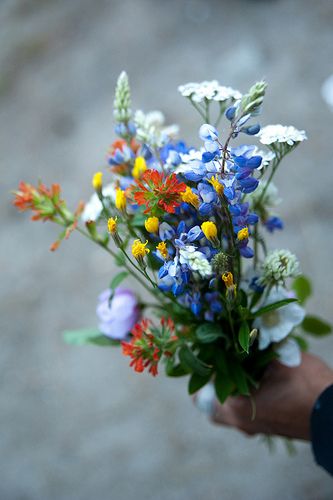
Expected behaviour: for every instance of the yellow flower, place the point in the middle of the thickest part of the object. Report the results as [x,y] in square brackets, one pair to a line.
[112,225]
[139,168]
[151,224]
[189,197]
[209,229]
[219,188]
[243,234]
[97,181]
[139,249]
[229,283]
[120,199]
[162,248]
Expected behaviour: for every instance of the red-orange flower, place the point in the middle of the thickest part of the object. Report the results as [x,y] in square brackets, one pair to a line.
[40,200]
[158,192]
[148,344]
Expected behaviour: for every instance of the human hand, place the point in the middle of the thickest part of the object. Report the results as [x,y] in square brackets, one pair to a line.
[283,403]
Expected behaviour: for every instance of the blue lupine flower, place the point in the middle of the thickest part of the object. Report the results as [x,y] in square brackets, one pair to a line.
[208,132]
[273,223]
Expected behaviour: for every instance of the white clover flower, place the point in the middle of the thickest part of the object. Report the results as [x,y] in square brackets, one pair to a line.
[195,260]
[122,101]
[271,197]
[150,128]
[278,266]
[210,90]
[289,352]
[93,208]
[281,134]
[276,325]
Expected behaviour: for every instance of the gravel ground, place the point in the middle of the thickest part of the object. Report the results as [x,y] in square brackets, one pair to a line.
[76,423]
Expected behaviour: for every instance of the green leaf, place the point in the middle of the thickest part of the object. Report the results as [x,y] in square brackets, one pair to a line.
[208,332]
[303,345]
[138,220]
[221,362]
[272,307]
[175,370]
[242,297]
[120,259]
[191,362]
[223,387]
[117,279]
[316,326]
[196,382]
[238,376]
[302,287]
[88,336]
[244,336]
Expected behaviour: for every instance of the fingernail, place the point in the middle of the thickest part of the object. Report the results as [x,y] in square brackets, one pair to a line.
[204,400]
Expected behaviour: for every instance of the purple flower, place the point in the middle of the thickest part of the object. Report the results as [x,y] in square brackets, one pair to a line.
[118,315]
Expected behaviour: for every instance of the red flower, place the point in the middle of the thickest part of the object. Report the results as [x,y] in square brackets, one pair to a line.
[148,344]
[158,192]
[42,201]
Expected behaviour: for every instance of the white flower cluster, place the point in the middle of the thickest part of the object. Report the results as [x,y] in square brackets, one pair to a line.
[278,266]
[209,90]
[281,134]
[151,130]
[195,260]
[93,208]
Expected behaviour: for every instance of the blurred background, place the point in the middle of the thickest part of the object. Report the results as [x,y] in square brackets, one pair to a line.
[76,422]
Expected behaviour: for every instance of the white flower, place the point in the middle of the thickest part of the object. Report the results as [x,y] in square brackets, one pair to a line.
[210,90]
[281,134]
[195,260]
[289,353]
[225,93]
[275,325]
[93,208]
[150,129]
[278,266]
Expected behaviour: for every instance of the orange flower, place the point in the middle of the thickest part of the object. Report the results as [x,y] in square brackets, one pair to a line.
[158,192]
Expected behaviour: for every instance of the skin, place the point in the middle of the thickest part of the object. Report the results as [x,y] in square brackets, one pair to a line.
[283,403]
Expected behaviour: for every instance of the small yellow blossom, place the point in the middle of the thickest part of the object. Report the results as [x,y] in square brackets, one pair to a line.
[151,224]
[139,249]
[162,248]
[229,283]
[189,197]
[120,199]
[219,188]
[243,234]
[97,181]
[209,229]
[139,168]
[112,225]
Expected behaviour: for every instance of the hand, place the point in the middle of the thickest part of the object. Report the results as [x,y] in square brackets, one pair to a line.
[283,403]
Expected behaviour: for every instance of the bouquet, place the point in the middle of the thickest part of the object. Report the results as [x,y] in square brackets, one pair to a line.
[190,225]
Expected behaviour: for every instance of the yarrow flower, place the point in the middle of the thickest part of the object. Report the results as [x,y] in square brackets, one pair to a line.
[281,134]
[210,90]
[278,266]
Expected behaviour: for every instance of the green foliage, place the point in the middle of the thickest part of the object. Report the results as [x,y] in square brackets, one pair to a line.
[303,345]
[244,336]
[238,376]
[316,326]
[88,336]
[208,332]
[223,386]
[117,279]
[191,362]
[272,307]
[120,258]
[173,370]
[196,382]
[302,287]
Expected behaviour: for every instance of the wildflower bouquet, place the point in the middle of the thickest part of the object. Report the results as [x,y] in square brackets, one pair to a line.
[189,225]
